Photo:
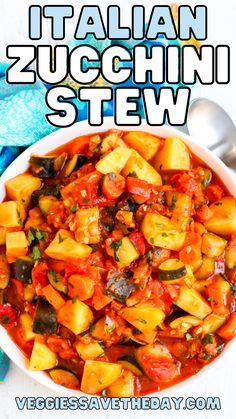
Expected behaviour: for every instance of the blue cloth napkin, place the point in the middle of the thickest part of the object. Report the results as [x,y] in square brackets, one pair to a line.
[4,365]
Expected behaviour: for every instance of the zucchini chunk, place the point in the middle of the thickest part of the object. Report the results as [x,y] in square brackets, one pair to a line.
[64,247]
[123,386]
[76,316]
[130,363]
[12,214]
[75,163]
[171,269]
[157,362]
[160,231]
[174,155]
[24,266]
[89,351]
[184,323]
[27,326]
[50,190]
[56,280]
[45,320]
[192,302]
[42,358]
[119,285]
[212,245]
[143,170]
[47,166]
[145,144]
[114,161]
[64,378]
[99,375]
[144,317]
[4,272]
[16,245]
[21,187]
[212,323]
[206,269]
[223,218]
[45,203]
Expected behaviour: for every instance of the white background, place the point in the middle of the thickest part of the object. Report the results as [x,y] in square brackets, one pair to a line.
[220,380]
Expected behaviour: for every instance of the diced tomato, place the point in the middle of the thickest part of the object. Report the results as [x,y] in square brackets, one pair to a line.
[19,287]
[213,192]
[184,183]
[138,187]
[159,370]
[85,193]
[81,286]
[188,254]
[62,347]
[113,185]
[80,144]
[39,276]
[138,241]
[228,330]
[203,214]
[7,315]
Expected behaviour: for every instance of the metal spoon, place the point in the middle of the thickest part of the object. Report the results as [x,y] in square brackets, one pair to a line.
[211,126]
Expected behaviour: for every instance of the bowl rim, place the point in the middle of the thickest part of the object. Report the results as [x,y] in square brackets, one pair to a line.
[63,136]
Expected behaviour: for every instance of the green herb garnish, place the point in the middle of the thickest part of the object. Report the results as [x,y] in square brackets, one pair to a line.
[116,246]
[142,321]
[35,252]
[208,339]
[188,336]
[74,208]
[61,239]
[173,201]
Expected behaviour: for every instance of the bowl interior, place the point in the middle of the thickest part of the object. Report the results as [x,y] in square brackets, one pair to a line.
[61,137]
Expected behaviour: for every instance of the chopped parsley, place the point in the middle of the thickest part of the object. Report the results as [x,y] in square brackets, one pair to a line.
[173,201]
[116,246]
[19,218]
[164,234]
[35,234]
[208,339]
[30,236]
[204,182]
[85,200]
[61,239]
[39,235]
[74,208]
[159,225]
[233,287]
[142,321]
[152,240]
[4,319]
[74,299]
[188,336]
[132,174]
[35,252]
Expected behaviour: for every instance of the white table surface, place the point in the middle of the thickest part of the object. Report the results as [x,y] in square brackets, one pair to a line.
[220,381]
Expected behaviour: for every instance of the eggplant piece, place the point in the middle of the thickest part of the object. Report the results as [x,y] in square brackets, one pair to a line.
[56,281]
[171,269]
[119,285]
[106,218]
[24,266]
[47,166]
[45,319]
[128,205]
[75,163]
[130,363]
[50,190]
[4,272]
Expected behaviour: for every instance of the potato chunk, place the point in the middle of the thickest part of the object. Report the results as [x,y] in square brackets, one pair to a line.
[144,317]
[21,187]
[145,144]
[174,155]
[16,245]
[42,358]
[223,219]
[98,375]
[115,161]
[142,169]
[12,214]
[123,387]
[64,247]
[75,315]
[212,245]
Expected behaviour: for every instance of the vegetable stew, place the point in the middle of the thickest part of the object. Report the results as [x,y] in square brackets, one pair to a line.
[118,263]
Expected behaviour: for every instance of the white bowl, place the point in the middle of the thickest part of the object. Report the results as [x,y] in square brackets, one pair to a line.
[63,136]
